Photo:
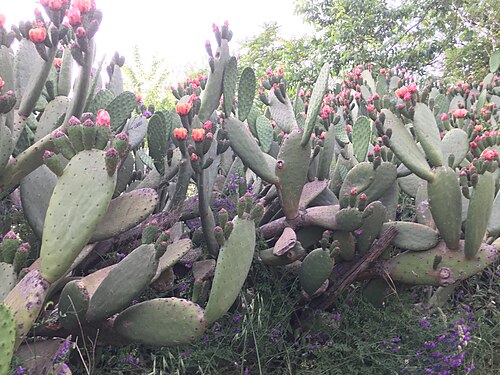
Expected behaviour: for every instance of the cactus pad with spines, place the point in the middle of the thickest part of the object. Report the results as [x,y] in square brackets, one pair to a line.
[79,201]
[412,236]
[404,147]
[246,93]
[120,109]
[478,214]
[417,267]
[230,81]
[315,269]
[361,136]
[172,255]
[445,201]
[291,169]
[158,141]
[247,149]
[125,212]
[427,131]
[315,101]
[162,322]
[25,302]
[374,216]
[7,338]
[8,279]
[265,133]
[233,264]
[123,283]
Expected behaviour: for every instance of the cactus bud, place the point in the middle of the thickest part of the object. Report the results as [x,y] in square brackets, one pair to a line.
[7,101]
[219,235]
[241,206]
[53,163]
[112,159]
[149,232]
[21,257]
[9,246]
[223,217]
[228,229]
[120,143]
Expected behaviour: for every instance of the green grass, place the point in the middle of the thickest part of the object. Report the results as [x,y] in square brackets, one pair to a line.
[265,334]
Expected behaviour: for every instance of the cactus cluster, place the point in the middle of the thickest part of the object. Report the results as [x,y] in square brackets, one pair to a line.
[318,180]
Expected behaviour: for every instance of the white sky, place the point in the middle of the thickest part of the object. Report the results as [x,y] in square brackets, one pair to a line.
[174,30]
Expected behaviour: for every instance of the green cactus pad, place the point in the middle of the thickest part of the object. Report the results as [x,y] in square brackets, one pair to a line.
[282,113]
[64,81]
[265,133]
[158,131]
[360,178]
[75,296]
[25,302]
[326,155]
[233,264]
[101,100]
[229,83]
[342,167]
[315,269]
[36,191]
[385,176]
[374,217]
[417,267]
[162,322]
[494,60]
[172,255]
[120,109]
[124,174]
[79,201]
[6,146]
[346,243]
[51,117]
[455,142]
[478,215]
[310,191]
[412,236]
[390,200]
[404,147]
[8,279]
[445,201]
[331,217]
[246,92]
[368,80]
[7,338]
[244,145]
[269,258]
[382,85]
[73,304]
[116,80]
[427,131]
[315,101]
[494,222]
[457,102]
[410,184]
[291,169]
[213,89]
[123,283]
[137,129]
[423,212]
[125,212]
[361,136]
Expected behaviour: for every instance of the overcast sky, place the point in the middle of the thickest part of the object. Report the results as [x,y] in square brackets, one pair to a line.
[175,30]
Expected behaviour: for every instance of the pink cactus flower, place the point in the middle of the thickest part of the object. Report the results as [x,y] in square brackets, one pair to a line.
[103,118]
[460,112]
[38,34]
[489,154]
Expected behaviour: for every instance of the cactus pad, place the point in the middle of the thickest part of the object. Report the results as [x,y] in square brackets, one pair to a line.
[162,321]
[79,201]
[233,264]
[123,283]
[315,269]
[246,93]
[7,338]
[412,236]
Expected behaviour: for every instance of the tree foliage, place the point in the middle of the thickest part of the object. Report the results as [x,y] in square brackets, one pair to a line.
[413,33]
[149,81]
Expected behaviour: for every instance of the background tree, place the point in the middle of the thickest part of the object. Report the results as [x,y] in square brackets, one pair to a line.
[151,81]
[269,49]
[418,34]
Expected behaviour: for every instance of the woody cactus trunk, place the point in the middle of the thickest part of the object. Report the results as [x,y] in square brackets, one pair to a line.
[315,176]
